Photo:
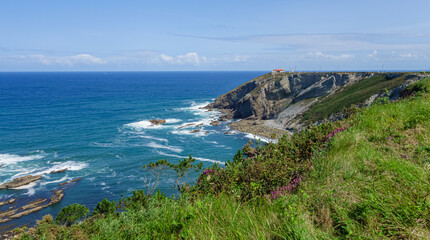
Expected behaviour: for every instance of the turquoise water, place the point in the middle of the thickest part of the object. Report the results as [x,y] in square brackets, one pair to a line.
[96,125]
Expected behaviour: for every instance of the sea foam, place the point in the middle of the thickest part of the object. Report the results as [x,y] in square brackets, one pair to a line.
[154,138]
[197,158]
[159,146]
[9,159]
[262,139]
[146,124]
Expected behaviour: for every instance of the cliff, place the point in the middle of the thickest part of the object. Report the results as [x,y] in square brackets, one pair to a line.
[290,101]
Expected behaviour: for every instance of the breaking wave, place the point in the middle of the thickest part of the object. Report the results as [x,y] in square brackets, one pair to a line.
[9,159]
[197,158]
[159,146]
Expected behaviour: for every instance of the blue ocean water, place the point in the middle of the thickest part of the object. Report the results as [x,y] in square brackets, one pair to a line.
[96,125]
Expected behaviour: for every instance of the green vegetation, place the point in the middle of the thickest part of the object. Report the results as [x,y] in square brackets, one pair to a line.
[366,177]
[71,214]
[105,207]
[353,94]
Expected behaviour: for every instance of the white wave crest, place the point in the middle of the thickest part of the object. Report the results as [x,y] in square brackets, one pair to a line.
[154,138]
[194,106]
[70,165]
[28,186]
[262,139]
[197,158]
[198,109]
[171,148]
[146,124]
[31,192]
[201,133]
[63,179]
[9,159]
[172,120]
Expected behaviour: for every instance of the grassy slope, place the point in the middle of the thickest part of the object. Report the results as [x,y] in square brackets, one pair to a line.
[354,94]
[359,186]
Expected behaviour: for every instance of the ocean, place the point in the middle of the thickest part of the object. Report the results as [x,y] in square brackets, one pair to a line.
[96,124]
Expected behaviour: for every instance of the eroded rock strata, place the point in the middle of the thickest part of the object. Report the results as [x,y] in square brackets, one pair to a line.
[21,181]
[281,99]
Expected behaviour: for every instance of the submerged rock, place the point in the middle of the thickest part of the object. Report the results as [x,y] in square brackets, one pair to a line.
[31,207]
[75,180]
[34,204]
[63,183]
[195,131]
[21,181]
[66,182]
[58,196]
[186,125]
[7,202]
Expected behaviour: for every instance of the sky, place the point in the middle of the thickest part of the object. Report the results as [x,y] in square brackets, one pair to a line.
[113,35]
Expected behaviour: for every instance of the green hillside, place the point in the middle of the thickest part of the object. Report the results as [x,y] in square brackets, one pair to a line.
[366,177]
[355,94]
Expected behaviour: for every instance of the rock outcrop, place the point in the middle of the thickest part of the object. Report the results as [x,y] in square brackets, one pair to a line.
[11,201]
[283,98]
[215,123]
[58,171]
[21,181]
[157,121]
[266,96]
[71,181]
[34,206]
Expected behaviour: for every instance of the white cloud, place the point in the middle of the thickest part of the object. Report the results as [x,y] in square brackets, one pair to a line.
[166,58]
[373,54]
[406,55]
[188,58]
[194,59]
[345,42]
[66,60]
[137,58]
[320,54]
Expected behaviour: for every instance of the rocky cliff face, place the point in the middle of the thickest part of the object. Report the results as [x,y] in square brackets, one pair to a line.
[284,97]
[266,96]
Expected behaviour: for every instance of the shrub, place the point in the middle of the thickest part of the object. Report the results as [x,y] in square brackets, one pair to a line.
[105,207]
[267,168]
[71,214]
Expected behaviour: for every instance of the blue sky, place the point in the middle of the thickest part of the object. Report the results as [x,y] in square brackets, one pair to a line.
[214,35]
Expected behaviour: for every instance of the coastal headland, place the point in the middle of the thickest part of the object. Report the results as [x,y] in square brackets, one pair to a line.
[280,102]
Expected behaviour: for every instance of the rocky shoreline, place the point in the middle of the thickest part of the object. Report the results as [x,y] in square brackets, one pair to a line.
[14,208]
[14,212]
[258,128]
